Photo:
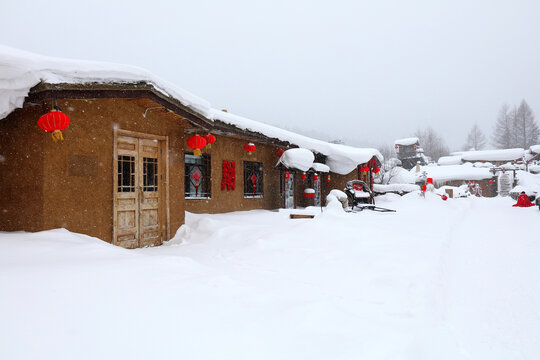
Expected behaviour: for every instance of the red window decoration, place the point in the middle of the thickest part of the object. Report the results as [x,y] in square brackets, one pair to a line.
[250,148]
[229,177]
[54,122]
[196,143]
[303,176]
[254,179]
[210,139]
[279,152]
[315,176]
[328,178]
[197,183]
[287,175]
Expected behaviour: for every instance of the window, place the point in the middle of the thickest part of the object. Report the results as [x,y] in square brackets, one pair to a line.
[253,179]
[126,173]
[197,177]
[150,174]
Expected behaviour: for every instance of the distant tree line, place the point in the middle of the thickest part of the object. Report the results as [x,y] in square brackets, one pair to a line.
[515,127]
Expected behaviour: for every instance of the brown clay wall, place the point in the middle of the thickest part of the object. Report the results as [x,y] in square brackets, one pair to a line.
[21,171]
[232,149]
[77,173]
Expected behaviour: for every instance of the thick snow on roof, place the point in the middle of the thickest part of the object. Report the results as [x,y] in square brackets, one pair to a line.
[535,149]
[455,172]
[493,155]
[449,160]
[301,159]
[320,167]
[20,71]
[407,141]
[341,159]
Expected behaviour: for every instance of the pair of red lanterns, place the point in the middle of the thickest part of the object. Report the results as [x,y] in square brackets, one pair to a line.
[197,142]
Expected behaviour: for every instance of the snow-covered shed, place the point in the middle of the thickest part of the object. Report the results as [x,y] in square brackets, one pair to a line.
[127,170]
[409,152]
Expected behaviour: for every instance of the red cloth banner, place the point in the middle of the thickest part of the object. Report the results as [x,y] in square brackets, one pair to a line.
[229,177]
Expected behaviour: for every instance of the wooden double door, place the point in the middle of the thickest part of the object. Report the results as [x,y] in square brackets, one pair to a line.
[140,190]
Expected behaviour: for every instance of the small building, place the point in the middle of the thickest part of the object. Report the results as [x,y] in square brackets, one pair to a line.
[410,153]
[126,172]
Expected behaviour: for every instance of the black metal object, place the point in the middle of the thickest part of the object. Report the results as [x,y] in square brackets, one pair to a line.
[358,185]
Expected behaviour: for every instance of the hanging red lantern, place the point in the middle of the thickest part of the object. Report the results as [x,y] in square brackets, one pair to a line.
[429,181]
[376,170]
[424,187]
[396,147]
[250,148]
[328,178]
[309,193]
[279,152]
[491,181]
[196,143]
[364,170]
[54,122]
[315,176]
[303,176]
[287,175]
[210,139]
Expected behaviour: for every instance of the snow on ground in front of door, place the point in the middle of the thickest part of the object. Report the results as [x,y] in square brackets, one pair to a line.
[456,279]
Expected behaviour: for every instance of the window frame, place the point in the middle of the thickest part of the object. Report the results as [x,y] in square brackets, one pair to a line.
[206,171]
[250,167]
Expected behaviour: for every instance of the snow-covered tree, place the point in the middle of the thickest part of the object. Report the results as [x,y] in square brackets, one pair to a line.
[526,128]
[433,145]
[476,139]
[503,135]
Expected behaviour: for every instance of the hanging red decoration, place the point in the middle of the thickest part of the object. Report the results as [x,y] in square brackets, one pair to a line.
[328,178]
[364,169]
[196,143]
[228,177]
[396,147]
[429,181]
[376,170]
[287,175]
[250,148]
[424,187]
[279,152]
[315,176]
[491,181]
[54,122]
[303,176]
[210,139]
[196,179]
[309,193]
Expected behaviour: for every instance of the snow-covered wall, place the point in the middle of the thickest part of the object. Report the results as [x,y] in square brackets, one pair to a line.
[20,71]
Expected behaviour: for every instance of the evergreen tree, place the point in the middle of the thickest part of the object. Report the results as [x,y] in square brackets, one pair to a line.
[526,128]
[476,140]
[503,135]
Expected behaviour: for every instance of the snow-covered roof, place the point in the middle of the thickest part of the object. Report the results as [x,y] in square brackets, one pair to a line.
[407,141]
[535,149]
[20,71]
[320,167]
[455,172]
[449,160]
[299,158]
[493,155]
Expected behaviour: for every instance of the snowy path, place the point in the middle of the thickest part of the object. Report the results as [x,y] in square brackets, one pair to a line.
[436,280]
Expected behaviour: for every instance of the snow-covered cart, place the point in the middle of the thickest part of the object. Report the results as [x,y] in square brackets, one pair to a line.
[361,197]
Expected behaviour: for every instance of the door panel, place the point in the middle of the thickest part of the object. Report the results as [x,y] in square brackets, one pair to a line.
[138,214]
[289,191]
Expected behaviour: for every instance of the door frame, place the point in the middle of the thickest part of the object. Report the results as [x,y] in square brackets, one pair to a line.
[164,212]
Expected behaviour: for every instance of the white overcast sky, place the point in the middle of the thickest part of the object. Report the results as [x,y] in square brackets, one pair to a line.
[367,72]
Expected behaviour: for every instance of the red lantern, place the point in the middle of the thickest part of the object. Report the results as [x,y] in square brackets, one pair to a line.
[364,169]
[376,170]
[429,181]
[250,148]
[396,147]
[54,122]
[279,152]
[309,193]
[315,177]
[328,178]
[424,187]
[196,143]
[287,175]
[491,181]
[303,176]
[210,139]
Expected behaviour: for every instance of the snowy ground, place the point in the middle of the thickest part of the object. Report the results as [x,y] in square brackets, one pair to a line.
[437,280]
